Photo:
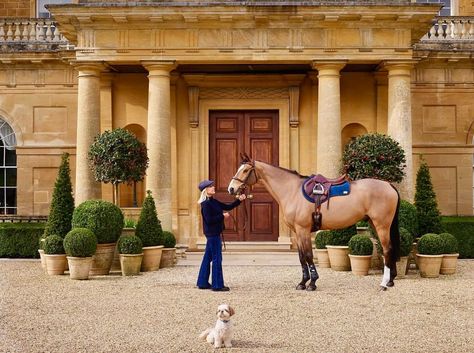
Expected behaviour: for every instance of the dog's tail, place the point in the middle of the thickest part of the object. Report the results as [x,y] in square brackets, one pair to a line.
[204,334]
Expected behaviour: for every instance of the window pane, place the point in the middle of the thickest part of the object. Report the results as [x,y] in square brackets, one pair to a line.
[10,157]
[2,197]
[11,176]
[11,210]
[11,197]
[2,177]
[2,156]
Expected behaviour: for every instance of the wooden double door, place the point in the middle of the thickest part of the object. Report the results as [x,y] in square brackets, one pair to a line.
[256,133]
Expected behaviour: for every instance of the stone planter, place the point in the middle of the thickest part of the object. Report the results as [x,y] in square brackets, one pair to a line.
[429,265]
[151,258]
[168,257]
[116,261]
[448,264]
[323,258]
[130,264]
[339,257]
[55,264]
[402,266]
[42,258]
[102,260]
[79,267]
[360,264]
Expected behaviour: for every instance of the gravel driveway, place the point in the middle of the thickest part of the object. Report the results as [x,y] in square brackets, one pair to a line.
[163,312]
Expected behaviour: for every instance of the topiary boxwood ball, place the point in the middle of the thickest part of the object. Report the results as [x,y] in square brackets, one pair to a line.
[450,243]
[430,244]
[408,217]
[322,238]
[360,245]
[53,245]
[103,218]
[341,237]
[169,240]
[130,245]
[406,242]
[80,242]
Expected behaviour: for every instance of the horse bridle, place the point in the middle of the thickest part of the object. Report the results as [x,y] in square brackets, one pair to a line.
[252,169]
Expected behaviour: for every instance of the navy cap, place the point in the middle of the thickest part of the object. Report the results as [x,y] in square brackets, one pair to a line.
[204,184]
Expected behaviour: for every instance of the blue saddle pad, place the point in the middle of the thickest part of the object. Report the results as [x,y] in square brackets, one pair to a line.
[340,190]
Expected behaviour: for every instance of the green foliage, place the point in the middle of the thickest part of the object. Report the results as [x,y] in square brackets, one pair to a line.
[450,243]
[374,156]
[429,220]
[362,224]
[117,156]
[321,239]
[408,218]
[62,204]
[430,244]
[169,240]
[20,240]
[360,245]
[130,223]
[149,226]
[53,245]
[103,218]
[80,242]
[406,242]
[463,229]
[341,237]
[130,245]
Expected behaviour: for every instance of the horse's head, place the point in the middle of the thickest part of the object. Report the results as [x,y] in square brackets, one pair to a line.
[245,176]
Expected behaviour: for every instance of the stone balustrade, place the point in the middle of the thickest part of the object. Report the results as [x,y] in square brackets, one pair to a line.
[453,28]
[19,34]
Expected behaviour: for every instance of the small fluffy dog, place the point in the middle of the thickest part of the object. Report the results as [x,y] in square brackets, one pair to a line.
[221,333]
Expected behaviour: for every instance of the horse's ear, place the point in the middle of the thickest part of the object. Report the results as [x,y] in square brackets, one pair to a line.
[244,157]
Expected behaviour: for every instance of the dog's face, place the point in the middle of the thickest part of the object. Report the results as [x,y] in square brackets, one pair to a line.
[224,312]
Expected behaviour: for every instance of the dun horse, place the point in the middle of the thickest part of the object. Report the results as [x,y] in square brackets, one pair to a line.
[368,198]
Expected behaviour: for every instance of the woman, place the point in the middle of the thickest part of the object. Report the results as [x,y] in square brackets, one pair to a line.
[213,216]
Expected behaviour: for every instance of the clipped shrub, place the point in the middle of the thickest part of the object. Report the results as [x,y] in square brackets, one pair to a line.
[103,218]
[53,245]
[360,245]
[169,240]
[429,220]
[450,243]
[20,240]
[148,228]
[80,242]
[430,244]
[62,203]
[362,223]
[463,230]
[321,239]
[406,242]
[130,245]
[408,218]
[341,237]
[374,156]
[130,223]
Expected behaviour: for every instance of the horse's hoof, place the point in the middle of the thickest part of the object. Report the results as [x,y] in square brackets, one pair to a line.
[383,289]
[311,288]
[300,287]
[390,284]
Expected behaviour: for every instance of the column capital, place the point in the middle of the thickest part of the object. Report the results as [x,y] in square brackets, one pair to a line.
[156,66]
[93,68]
[333,65]
[390,66]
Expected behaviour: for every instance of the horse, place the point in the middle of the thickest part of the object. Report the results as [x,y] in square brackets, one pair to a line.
[372,199]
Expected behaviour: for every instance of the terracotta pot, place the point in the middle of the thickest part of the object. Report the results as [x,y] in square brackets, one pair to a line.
[168,257]
[338,257]
[130,264]
[429,265]
[151,258]
[102,260]
[42,258]
[448,264]
[360,264]
[55,264]
[116,261]
[323,258]
[402,266]
[79,267]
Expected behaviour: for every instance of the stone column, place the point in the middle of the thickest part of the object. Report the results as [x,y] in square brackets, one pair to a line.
[329,149]
[88,127]
[399,118]
[158,179]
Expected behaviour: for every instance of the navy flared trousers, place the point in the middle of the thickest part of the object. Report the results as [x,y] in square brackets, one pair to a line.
[213,253]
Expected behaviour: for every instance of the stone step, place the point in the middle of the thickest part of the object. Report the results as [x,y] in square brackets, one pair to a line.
[245,258]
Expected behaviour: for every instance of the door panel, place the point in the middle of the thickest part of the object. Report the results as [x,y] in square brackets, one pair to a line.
[254,132]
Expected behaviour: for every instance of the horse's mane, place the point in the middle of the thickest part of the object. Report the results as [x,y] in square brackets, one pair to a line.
[293,172]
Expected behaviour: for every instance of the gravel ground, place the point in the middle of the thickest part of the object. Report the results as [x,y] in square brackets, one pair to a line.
[163,312]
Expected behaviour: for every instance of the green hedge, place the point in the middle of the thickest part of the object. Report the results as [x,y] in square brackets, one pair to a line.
[20,239]
[463,229]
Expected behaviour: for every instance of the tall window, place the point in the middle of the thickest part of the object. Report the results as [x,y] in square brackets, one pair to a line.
[445,11]
[7,169]
[42,12]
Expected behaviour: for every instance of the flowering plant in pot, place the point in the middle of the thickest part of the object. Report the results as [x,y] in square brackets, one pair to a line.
[360,254]
[321,239]
[80,245]
[430,255]
[131,254]
[450,254]
[55,255]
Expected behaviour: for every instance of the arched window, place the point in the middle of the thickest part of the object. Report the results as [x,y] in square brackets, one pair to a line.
[7,169]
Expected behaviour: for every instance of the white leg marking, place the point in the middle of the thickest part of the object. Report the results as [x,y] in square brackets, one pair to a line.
[386,276]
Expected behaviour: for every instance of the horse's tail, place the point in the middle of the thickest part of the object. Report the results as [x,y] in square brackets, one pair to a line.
[395,233]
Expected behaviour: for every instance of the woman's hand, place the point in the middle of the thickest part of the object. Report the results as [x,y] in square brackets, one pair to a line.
[242,197]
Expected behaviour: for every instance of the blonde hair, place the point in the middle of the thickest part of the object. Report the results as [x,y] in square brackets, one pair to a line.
[203,196]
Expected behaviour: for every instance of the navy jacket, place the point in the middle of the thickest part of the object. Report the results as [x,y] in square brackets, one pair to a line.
[212,215]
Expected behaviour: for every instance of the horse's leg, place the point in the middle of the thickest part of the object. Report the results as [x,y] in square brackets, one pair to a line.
[304,267]
[308,253]
[383,234]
